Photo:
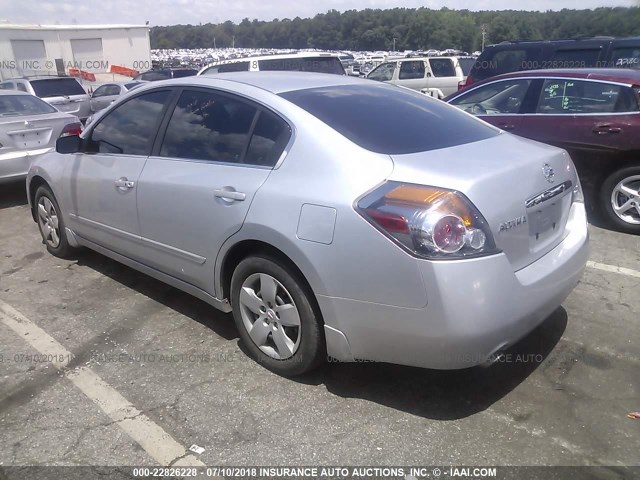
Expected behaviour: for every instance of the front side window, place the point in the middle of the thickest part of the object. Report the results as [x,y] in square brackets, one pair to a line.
[411,70]
[130,128]
[497,98]
[208,126]
[563,96]
[442,67]
[383,73]
[100,91]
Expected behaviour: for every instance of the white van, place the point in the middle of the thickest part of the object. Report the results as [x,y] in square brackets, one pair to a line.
[303,61]
[435,76]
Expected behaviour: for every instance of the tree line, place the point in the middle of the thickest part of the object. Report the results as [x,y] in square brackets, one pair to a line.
[412,29]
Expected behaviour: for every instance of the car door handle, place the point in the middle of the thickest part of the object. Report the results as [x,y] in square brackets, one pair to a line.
[124,184]
[227,194]
[606,129]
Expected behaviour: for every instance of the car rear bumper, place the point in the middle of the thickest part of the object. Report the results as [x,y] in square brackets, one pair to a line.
[15,165]
[475,308]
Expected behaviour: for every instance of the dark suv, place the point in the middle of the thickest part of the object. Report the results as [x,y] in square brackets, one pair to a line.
[593,114]
[589,52]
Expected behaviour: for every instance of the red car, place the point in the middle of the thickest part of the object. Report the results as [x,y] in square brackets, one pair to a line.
[593,114]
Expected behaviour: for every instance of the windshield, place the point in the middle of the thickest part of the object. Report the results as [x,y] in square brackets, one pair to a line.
[389,119]
[57,87]
[12,105]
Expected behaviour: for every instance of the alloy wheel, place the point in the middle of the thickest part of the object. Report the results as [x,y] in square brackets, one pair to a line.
[625,200]
[48,222]
[270,316]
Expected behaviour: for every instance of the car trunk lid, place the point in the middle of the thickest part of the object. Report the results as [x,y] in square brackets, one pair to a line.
[522,188]
[32,132]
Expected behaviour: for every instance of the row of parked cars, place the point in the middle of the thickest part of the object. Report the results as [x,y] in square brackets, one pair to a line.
[317,207]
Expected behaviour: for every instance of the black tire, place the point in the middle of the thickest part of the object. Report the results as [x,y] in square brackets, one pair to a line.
[311,350]
[606,192]
[62,249]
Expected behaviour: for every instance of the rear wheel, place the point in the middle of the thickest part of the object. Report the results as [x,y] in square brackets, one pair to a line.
[620,199]
[51,224]
[275,317]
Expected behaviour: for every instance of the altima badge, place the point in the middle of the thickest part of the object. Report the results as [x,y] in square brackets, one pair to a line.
[548,172]
[508,225]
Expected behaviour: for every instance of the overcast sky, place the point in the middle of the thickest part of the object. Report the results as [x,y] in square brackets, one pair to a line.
[171,12]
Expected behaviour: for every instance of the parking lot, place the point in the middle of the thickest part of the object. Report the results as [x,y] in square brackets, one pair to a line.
[153,371]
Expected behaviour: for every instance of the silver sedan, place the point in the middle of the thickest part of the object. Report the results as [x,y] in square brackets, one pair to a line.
[335,217]
[29,127]
[106,94]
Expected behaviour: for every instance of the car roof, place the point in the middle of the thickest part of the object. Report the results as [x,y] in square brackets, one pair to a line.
[276,56]
[274,82]
[619,75]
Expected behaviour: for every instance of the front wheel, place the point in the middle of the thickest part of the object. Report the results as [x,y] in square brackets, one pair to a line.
[620,199]
[51,224]
[275,317]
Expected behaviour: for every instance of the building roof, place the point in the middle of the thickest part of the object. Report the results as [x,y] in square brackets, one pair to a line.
[13,26]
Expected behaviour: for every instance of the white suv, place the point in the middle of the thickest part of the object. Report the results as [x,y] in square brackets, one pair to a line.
[435,76]
[304,62]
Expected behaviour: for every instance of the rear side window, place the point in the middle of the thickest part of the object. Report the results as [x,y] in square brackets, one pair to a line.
[303,64]
[411,70]
[390,120]
[571,97]
[208,126]
[268,141]
[57,87]
[576,58]
[628,57]
[442,67]
[129,129]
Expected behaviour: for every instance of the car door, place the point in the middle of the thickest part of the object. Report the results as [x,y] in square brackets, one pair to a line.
[196,188]
[585,116]
[412,74]
[442,76]
[99,98]
[499,103]
[102,179]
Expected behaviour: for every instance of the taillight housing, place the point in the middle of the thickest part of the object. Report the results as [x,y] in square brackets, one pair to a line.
[429,222]
[71,129]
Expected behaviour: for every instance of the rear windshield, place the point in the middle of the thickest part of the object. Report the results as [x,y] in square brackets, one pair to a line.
[466,64]
[57,87]
[305,64]
[184,73]
[228,67]
[13,105]
[388,119]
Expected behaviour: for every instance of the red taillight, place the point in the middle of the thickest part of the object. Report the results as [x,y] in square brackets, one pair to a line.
[431,222]
[71,129]
[389,221]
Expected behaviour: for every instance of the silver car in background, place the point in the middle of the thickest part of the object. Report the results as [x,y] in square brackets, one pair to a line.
[64,93]
[29,127]
[333,216]
[106,94]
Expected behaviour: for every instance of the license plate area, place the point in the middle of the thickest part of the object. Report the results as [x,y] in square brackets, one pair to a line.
[547,221]
[32,138]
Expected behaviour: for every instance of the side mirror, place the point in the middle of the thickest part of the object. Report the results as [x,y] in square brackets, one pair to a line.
[68,144]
